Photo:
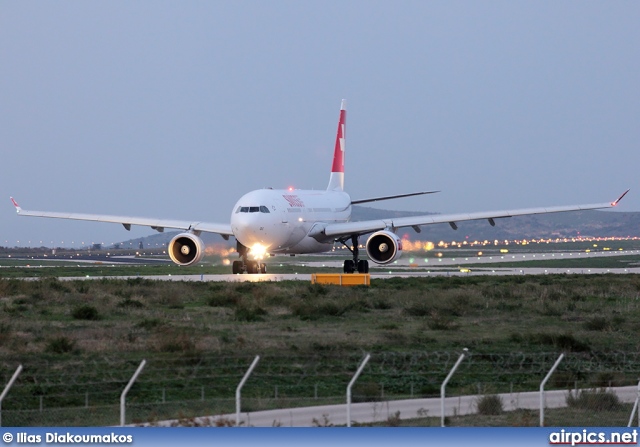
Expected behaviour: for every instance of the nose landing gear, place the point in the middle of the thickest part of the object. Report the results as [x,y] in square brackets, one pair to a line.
[245,265]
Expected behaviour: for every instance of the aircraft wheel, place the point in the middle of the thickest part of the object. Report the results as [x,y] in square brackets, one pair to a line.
[263,268]
[237,267]
[363,266]
[252,267]
[348,266]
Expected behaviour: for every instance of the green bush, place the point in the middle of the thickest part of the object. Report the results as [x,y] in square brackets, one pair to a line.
[593,400]
[439,322]
[85,312]
[366,392]
[223,298]
[130,303]
[597,324]
[61,345]
[490,405]
[249,313]
[310,310]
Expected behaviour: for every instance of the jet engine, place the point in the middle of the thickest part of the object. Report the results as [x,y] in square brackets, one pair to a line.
[186,249]
[384,247]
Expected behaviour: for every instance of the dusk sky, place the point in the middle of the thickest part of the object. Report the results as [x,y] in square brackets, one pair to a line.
[176,109]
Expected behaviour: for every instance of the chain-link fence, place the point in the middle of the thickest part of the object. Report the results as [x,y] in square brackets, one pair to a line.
[487,389]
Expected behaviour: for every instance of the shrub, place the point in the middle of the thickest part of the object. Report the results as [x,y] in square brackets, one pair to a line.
[565,342]
[395,420]
[310,311]
[85,312]
[5,333]
[419,310]
[366,392]
[249,313]
[593,400]
[130,303]
[597,324]
[61,345]
[246,287]
[608,379]
[380,304]
[177,343]
[439,322]
[149,323]
[314,291]
[490,405]
[223,298]
[57,285]
[82,286]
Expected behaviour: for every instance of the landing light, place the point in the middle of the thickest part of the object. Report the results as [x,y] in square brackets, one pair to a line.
[258,251]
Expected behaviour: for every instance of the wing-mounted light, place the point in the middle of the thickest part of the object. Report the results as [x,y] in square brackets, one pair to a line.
[615,202]
[18,209]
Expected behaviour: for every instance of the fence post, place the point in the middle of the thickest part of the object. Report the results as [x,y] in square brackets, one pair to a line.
[244,379]
[123,396]
[553,368]
[8,387]
[444,384]
[635,407]
[353,380]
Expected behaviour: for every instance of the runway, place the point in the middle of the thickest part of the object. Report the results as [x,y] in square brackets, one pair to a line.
[374,275]
[411,265]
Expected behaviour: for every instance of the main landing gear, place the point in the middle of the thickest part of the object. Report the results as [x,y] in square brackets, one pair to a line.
[355,264]
[245,265]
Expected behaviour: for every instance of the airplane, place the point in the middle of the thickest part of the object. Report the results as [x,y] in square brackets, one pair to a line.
[292,221]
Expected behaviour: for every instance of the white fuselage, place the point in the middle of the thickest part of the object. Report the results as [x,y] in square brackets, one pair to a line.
[285,221]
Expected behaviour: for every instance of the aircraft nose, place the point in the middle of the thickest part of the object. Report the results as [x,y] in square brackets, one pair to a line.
[248,229]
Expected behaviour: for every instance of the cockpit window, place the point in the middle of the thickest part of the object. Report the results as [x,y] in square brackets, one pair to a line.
[252,209]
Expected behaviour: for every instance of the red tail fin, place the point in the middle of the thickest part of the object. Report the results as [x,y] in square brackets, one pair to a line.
[336,181]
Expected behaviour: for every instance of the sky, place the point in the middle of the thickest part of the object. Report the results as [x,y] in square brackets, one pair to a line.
[176,109]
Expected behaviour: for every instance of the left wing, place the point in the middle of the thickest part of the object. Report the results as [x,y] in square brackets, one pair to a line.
[357,228]
[157,224]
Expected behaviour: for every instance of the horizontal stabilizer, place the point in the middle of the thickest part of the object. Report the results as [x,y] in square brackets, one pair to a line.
[376,199]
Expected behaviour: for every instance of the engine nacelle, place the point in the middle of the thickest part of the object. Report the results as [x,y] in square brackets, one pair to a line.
[186,249]
[384,247]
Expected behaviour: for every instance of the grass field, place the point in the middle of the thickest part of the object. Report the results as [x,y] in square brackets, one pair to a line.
[80,341]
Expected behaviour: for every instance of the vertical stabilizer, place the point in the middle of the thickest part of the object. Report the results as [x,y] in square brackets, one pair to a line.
[336,181]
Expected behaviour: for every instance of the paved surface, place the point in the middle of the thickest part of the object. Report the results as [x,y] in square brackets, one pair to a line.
[408,409]
[374,275]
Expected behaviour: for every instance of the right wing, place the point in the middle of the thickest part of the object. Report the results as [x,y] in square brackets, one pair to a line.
[348,229]
[157,224]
